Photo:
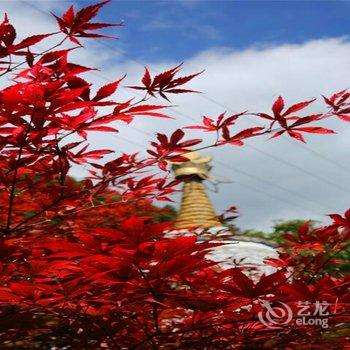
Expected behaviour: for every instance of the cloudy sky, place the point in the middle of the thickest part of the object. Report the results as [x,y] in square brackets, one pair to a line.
[252,51]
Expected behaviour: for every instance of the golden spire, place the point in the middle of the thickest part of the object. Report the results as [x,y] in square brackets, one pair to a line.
[196,208]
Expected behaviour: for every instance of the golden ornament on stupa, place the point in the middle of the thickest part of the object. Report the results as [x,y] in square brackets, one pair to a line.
[196,208]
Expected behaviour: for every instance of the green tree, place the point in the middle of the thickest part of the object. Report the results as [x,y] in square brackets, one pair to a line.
[281,227]
[287,226]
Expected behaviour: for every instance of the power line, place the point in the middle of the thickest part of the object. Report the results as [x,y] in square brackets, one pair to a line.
[244,172]
[270,183]
[267,194]
[281,160]
[272,156]
[208,98]
[255,189]
[305,147]
[223,164]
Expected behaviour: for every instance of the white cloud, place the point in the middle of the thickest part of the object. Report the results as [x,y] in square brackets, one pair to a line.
[316,184]
[187,27]
[27,19]
[252,79]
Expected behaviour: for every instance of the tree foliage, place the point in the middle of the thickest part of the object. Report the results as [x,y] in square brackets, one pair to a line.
[87,267]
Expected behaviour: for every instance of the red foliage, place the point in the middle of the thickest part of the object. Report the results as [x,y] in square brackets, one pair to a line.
[77,25]
[87,267]
[165,83]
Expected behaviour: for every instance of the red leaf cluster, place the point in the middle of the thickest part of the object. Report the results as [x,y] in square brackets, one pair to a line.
[78,25]
[85,266]
[340,104]
[292,124]
[171,149]
[165,83]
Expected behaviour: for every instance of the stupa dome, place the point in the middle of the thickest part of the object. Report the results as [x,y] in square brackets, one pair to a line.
[197,215]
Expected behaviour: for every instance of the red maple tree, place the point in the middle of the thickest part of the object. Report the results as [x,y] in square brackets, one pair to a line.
[83,266]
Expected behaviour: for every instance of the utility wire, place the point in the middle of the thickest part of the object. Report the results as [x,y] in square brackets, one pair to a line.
[271,155]
[300,145]
[270,183]
[208,98]
[218,162]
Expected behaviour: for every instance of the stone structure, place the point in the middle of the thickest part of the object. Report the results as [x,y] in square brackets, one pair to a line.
[197,211]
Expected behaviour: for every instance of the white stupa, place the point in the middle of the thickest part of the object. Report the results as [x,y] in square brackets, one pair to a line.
[197,211]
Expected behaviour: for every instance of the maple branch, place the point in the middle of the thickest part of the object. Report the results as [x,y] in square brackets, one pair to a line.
[149,336]
[62,175]
[18,226]
[14,180]
[11,69]
[225,323]
[183,331]
[141,166]
[154,295]
[331,257]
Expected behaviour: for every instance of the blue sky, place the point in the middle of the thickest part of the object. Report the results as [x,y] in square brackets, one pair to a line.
[251,52]
[153,27]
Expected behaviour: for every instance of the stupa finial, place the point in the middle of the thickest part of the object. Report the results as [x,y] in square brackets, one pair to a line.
[196,207]
[195,166]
